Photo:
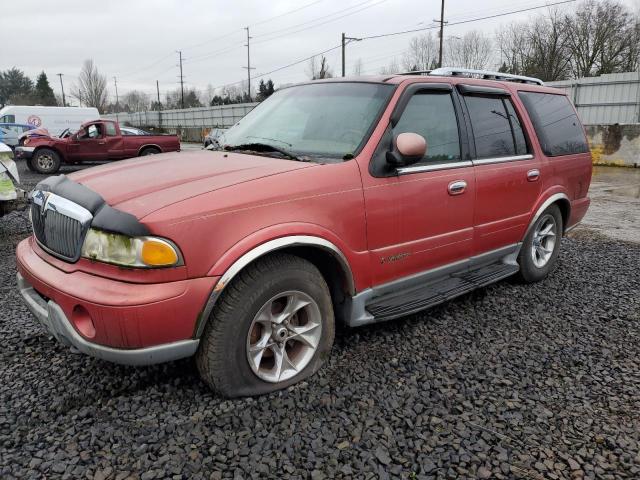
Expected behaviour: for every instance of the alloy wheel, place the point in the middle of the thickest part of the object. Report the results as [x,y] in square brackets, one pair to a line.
[544,240]
[284,336]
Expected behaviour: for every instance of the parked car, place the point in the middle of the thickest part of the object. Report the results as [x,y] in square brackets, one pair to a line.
[213,138]
[54,119]
[10,133]
[97,140]
[11,195]
[353,201]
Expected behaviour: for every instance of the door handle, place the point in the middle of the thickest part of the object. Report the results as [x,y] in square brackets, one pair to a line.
[458,187]
[533,175]
[101,143]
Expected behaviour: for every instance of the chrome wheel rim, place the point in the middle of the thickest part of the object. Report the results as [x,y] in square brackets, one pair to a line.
[45,161]
[284,336]
[544,240]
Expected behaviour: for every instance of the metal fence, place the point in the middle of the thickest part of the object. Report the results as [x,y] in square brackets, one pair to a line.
[605,100]
[200,117]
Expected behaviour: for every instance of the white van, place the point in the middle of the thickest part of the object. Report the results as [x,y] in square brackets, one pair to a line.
[54,119]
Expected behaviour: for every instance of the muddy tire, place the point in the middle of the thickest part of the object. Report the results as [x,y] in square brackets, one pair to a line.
[272,327]
[46,161]
[541,246]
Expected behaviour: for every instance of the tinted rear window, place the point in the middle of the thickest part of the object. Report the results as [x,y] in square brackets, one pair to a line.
[556,123]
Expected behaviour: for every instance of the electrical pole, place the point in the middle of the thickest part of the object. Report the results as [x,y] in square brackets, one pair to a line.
[343,45]
[248,67]
[158,91]
[64,101]
[115,83]
[442,22]
[181,81]
[345,40]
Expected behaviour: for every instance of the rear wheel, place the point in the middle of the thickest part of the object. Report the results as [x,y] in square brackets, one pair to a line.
[541,246]
[46,160]
[273,327]
[149,151]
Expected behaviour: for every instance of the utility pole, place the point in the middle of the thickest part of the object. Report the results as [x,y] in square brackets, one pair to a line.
[158,91]
[64,101]
[248,67]
[442,22]
[181,81]
[345,40]
[115,83]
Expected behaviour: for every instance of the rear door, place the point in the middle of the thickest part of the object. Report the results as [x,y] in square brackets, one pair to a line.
[506,170]
[420,217]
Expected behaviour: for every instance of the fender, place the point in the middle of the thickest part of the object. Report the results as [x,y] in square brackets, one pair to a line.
[549,199]
[263,249]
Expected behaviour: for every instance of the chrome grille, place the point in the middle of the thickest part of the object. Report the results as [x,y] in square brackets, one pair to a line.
[59,225]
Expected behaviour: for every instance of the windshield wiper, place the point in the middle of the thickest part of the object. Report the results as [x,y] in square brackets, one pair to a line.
[265,147]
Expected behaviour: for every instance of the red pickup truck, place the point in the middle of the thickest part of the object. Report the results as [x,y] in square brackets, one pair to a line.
[98,140]
[336,201]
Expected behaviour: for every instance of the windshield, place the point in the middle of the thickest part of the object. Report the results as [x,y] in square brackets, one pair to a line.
[325,120]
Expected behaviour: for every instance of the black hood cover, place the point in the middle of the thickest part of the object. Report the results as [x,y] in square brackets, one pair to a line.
[105,217]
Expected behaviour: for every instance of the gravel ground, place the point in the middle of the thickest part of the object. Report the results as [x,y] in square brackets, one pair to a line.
[510,381]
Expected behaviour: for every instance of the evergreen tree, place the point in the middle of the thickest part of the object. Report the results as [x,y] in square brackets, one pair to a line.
[44,93]
[15,87]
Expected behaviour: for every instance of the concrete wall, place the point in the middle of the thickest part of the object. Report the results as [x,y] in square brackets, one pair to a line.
[615,144]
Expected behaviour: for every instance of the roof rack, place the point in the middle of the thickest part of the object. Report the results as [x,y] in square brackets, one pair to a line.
[485,74]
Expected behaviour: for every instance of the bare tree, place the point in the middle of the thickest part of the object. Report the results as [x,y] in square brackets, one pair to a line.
[538,47]
[91,89]
[392,68]
[422,53]
[473,50]
[317,70]
[135,101]
[603,37]
[357,67]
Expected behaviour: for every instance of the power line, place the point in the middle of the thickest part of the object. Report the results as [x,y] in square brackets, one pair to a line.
[321,23]
[226,35]
[469,21]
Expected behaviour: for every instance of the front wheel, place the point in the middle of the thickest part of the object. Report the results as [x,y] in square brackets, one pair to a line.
[149,151]
[273,326]
[541,246]
[46,161]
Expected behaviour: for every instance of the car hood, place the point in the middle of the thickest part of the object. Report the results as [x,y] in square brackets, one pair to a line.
[140,186]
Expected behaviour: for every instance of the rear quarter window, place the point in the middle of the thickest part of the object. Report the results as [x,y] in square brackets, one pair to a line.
[556,124]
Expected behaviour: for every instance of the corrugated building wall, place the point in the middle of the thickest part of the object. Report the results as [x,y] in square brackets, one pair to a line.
[605,100]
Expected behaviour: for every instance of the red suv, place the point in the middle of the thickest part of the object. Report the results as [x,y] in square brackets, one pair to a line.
[353,201]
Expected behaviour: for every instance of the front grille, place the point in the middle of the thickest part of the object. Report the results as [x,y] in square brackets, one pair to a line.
[59,224]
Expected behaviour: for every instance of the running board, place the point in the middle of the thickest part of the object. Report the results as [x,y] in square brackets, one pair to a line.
[404,302]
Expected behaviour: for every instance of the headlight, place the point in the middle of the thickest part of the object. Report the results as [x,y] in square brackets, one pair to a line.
[130,251]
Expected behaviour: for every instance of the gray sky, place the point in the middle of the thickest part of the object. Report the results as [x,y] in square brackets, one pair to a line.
[136,40]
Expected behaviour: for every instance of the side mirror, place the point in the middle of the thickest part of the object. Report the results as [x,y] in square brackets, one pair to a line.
[80,133]
[408,148]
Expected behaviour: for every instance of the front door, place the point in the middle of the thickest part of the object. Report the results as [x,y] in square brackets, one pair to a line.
[88,144]
[507,173]
[421,216]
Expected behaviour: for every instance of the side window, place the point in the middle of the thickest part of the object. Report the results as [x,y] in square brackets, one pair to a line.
[94,131]
[516,127]
[111,129]
[556,123]
[8,119]
[433,116]
[491,123]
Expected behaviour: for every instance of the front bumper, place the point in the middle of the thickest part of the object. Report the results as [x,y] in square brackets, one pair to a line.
[51,317]
[24,153]
[122,322]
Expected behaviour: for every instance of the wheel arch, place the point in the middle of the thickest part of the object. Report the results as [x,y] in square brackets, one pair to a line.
[564,204]
[324,254]
[149,145]
[49,147]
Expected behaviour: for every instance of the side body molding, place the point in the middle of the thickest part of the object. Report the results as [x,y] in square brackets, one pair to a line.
[263,249]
